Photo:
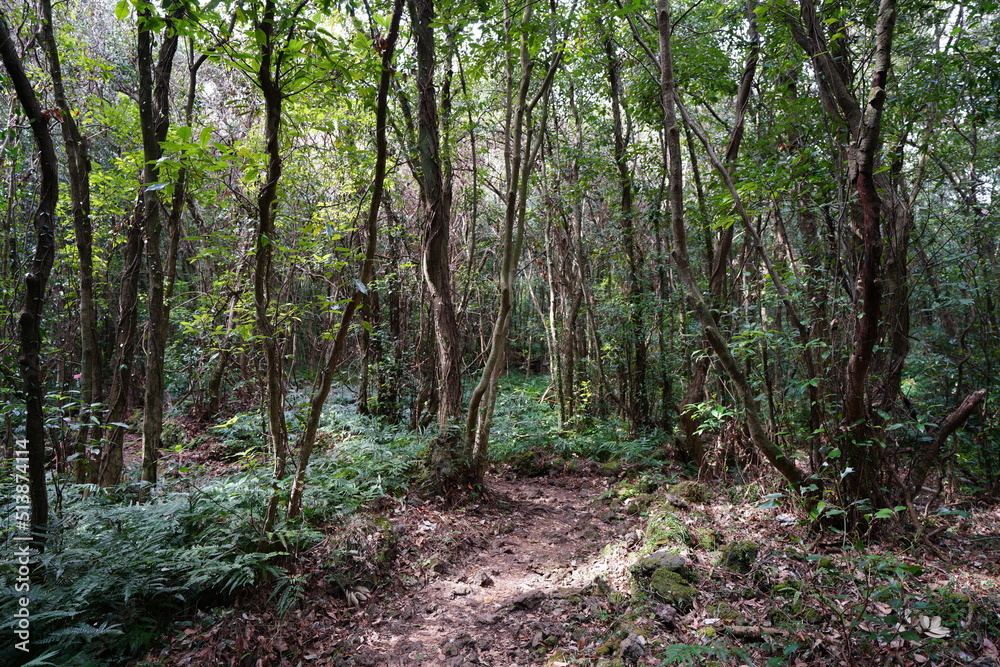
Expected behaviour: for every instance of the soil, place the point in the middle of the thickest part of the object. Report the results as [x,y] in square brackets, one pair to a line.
[511,598]
[538,573]
[508,582]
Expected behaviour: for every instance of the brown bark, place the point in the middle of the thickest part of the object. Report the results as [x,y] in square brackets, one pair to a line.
[775,457]
[948,425]
[30,318]
[112,460]
[266,239]
[524,141]
[78,173]
[307,440]
[154,120]
[633,390]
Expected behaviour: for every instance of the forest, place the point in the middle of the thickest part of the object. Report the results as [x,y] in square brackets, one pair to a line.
[308,305]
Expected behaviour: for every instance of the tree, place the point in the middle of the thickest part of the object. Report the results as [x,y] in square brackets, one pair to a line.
[30,318]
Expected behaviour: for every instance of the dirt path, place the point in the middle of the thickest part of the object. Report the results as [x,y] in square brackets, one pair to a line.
[513,587]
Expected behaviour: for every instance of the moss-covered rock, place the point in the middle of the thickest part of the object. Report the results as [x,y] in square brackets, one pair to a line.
[661,559]
[610,469]
[671,587]
[705,538]
[557,464]
[529,463]
[739,556]
[638,504]
[609,647]
[664,528]
[690,490]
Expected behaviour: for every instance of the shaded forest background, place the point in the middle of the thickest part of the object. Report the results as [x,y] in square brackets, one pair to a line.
[744,235]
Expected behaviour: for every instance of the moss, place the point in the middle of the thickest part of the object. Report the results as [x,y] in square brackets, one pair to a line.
[637,504]
[528,463]
[725,612]
[705,538]
[691,491]
[671,588]
[610,469]
[664,528]
[739,556]
[609,647]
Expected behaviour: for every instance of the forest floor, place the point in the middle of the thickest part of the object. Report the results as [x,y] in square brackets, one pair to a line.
[541,572]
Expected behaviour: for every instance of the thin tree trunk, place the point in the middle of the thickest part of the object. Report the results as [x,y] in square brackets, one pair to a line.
[112,459]
[78,172]
[154,119]
[30,319]
[307,440]
[524,142]
[266,239]
[634,393]
[781,463]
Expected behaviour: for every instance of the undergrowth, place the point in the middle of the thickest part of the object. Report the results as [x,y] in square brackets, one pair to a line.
[116,574]
[526,418]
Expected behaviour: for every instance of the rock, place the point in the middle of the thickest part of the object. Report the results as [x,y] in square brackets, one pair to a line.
[455,646]
[559,659]
[660,559]
[529,464]
[608,648]
[691,491]
[527,600]
[610,469]
[637,504]
[437,565]
[632,648]
[485,580]
[557,464]
[725,612]
[739,556]
[665,614]
[567,593]
[671,587]
[603,588]
[677,501]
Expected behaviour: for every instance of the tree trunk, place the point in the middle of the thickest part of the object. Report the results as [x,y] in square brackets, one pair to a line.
[112,460]
[307,440]
[634,392]
[444,456]
[781,463]
[154,119]
[30,319]
[78,172]
[266,239]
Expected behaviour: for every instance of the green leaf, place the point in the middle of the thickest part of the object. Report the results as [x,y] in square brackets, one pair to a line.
[770,501]
[122,10]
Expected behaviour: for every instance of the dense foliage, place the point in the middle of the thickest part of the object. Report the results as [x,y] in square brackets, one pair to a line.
[723,233]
